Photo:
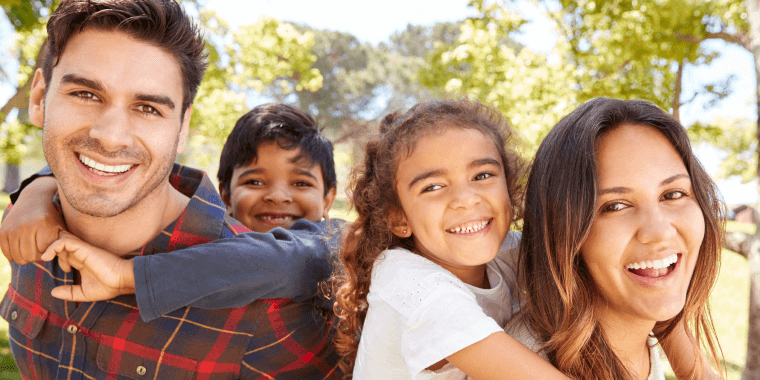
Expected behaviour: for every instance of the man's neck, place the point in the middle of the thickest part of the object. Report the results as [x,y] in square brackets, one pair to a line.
[133,228]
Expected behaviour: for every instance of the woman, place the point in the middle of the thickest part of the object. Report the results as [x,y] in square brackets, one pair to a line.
[622,237]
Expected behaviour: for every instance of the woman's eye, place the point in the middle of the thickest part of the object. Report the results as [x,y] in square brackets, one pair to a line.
[431,188]
[483,176]
[612,207]
[673,195]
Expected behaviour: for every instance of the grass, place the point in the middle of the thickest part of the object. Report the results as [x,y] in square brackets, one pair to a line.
[729,303]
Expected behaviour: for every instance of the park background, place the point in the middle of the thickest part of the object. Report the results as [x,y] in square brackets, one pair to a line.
[351,62]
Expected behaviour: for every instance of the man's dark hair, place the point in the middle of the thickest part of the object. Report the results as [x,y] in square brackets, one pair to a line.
[162,23]
[290,127]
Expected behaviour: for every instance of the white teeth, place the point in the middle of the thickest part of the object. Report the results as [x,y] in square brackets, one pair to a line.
[106,169]
[471,227]
[656,264]
[277,218]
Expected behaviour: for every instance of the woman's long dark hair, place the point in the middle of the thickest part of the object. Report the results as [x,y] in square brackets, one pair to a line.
[561,199]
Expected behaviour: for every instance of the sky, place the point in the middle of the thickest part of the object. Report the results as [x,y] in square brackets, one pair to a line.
[375,21]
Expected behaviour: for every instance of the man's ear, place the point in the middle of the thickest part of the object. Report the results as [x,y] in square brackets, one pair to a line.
[329,199]
[37,99]
[226,199]
[185,131]
[399,224]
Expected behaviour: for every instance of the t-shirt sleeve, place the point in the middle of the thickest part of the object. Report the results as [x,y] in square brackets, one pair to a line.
[443,314]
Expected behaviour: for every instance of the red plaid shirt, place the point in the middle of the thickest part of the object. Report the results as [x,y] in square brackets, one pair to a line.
[270,338]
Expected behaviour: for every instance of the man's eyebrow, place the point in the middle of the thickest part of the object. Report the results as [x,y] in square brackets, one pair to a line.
[82,81]
[624,190]
[483,162]
[160,99]
[428,174]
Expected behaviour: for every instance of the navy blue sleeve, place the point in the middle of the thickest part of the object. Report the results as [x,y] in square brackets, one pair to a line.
[237,271]
[44,172]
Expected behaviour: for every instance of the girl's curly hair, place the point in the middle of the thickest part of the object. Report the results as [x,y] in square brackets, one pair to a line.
[374,198]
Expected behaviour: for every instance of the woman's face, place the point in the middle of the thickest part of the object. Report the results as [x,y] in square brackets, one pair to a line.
[648,228]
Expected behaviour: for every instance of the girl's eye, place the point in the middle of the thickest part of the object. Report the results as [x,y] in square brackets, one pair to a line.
[673,195]
[483,176]
[85,96]
[612,207]
[431,188]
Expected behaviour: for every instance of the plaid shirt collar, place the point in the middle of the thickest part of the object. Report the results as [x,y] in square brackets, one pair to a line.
[201,222]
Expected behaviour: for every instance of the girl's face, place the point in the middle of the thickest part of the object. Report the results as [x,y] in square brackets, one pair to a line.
[454,198]
[644,242]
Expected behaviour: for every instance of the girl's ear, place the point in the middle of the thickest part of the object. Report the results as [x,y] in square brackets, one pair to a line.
[399,225]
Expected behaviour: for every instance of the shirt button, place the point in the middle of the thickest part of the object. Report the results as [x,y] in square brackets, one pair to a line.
[14,315]
[141,370]
[73,329]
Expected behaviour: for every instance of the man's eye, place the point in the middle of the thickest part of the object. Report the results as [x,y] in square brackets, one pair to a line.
[148,110]
[85,96]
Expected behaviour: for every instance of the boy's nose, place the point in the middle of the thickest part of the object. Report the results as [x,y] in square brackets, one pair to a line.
[278,194]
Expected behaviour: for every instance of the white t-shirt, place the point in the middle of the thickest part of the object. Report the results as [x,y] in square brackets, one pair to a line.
[517,329]
[419,313]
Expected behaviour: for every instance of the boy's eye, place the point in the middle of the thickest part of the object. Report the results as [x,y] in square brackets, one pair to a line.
[303,184]
[483,176]
[431,188]
[253,182]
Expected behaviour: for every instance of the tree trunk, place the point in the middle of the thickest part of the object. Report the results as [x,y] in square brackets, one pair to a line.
[12,178]
[677,96]
[752,366]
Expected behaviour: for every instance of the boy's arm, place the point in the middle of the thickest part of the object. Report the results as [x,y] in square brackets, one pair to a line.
[237,271]
[33,222]
[220,274]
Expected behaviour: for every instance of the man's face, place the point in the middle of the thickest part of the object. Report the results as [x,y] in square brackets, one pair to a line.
[112,120]
[275,190]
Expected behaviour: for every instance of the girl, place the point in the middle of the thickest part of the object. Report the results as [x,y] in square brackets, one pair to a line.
[435,201]
[621,237]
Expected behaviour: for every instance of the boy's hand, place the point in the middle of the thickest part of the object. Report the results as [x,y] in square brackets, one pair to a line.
[103,274]
[32,224]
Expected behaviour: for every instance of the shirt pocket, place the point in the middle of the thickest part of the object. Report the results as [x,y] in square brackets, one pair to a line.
[138,367]
[23,314]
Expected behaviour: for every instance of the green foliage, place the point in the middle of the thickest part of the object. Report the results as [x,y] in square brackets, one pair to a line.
[15,140]
[738,139]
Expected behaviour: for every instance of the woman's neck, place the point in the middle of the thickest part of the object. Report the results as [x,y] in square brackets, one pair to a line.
[629,341]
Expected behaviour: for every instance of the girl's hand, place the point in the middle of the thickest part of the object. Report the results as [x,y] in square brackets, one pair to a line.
[103,274]
[32,223]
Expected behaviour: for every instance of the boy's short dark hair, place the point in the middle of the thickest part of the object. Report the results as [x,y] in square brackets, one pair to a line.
[162,23]
[290,127]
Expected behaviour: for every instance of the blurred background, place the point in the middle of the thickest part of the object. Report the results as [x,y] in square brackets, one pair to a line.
[349,63]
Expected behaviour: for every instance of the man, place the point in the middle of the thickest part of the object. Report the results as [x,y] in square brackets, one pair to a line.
[114,101]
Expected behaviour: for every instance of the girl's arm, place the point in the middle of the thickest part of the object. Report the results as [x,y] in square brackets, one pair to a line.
[499,356]
[682,355]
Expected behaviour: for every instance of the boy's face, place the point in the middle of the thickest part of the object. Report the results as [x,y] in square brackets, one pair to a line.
[274,191]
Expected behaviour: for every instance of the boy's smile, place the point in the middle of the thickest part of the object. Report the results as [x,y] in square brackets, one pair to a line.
[455,201]
[274,191]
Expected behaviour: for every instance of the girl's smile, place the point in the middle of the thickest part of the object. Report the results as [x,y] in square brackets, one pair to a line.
[455,205]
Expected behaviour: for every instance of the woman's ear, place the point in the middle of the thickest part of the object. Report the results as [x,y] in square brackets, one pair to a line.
[399,224]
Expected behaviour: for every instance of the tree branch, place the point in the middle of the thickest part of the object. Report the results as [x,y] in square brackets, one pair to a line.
[21,97]
[739,38]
